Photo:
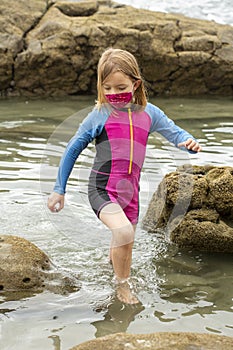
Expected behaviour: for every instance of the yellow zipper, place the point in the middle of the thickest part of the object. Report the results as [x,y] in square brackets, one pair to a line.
[131,141]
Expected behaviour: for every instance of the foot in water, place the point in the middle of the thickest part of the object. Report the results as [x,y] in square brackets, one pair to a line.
[125,294]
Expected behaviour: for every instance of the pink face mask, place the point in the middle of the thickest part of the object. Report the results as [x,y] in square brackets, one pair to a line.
[119,100]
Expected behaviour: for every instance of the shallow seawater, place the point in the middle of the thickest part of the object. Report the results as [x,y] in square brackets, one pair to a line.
[212,10]
[178,291]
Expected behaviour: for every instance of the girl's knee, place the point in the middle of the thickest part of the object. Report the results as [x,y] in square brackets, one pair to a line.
[122,235]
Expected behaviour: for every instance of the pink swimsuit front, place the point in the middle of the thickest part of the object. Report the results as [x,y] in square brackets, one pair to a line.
[120,153]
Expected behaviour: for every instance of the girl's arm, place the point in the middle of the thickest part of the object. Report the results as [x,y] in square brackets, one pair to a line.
[88,130]
[173,133]
[74,148]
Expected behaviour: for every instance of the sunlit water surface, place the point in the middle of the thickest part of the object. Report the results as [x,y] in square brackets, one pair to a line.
[179,291]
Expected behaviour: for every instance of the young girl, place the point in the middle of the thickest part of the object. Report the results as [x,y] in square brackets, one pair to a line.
[120,123]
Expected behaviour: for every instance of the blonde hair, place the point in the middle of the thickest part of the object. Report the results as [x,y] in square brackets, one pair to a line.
[113,60]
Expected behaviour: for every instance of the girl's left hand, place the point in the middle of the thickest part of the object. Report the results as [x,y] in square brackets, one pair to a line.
[191,145]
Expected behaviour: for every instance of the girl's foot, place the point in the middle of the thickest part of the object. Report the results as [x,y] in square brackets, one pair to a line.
[124,293]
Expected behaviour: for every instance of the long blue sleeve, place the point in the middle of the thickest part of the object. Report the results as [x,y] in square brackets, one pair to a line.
[91,127]
[166,127]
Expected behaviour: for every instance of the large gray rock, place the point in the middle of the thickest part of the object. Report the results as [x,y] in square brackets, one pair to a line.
[52,48]
[159,341]
[194,205]
[24,267]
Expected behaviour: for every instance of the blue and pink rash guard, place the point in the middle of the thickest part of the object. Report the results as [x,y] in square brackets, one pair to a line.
[120,137]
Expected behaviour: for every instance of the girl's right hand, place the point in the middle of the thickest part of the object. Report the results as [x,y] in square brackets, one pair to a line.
[56,202]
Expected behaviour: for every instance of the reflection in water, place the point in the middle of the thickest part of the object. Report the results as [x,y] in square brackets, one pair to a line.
[117,318]
[197,280]
[56,342]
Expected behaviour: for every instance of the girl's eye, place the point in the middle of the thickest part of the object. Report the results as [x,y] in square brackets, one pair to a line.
[118,88]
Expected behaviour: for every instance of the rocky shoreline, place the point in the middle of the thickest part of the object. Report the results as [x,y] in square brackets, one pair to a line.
[51,48]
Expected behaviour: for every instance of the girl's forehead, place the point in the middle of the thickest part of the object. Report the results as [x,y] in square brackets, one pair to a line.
[117,78]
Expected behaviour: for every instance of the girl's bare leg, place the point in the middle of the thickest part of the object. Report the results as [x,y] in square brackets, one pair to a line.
[112,242]
[123,232]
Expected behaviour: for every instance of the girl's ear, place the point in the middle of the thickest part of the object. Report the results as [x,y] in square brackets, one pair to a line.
[137,84]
